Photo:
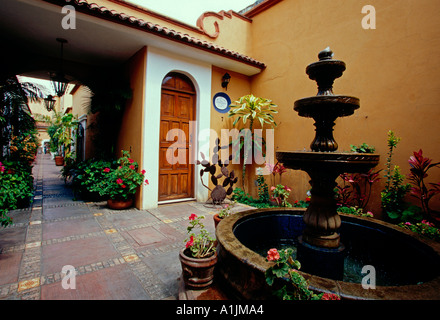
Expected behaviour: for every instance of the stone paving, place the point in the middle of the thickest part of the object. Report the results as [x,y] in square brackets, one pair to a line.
[122,255]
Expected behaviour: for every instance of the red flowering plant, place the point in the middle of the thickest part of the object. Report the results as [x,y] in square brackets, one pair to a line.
[199,244]
[121,183]
[280,193]
[355,190]
[418,173]
[286,268]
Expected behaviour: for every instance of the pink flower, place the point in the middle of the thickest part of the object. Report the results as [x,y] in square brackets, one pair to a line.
[143,171]
[273,255]
[119,181]
[190,242]
[192,216]
[130,160]
[107,170]
[123,186]
[131,167]
[272,188]
[146,181]
[408,223]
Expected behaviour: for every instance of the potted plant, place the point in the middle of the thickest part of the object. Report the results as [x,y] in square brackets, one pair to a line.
[119,185]
[223,212]
[199,257]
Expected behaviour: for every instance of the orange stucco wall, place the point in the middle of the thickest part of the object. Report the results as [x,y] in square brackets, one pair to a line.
[392,69]
[130,137]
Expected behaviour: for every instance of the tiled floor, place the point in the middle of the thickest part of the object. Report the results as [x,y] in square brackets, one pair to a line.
[128,254]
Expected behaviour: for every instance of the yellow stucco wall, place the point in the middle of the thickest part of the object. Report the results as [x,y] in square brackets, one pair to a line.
[130,136]
[239,86]
[392,69]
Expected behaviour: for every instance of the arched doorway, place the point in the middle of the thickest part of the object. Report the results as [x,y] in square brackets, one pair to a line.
[178,109]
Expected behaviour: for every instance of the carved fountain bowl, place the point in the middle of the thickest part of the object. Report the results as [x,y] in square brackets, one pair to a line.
[338,162]
[407,266]
[332,106]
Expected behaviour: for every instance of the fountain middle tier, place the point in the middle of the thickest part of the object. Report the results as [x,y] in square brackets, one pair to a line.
[325,110]
[321,218]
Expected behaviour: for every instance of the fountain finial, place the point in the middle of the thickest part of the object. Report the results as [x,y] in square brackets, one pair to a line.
[325,54]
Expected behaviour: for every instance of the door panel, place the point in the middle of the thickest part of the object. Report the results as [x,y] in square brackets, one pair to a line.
[177,110]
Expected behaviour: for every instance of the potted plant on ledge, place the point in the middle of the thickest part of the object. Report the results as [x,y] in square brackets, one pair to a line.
[199,257]
[120,184]
[223,212]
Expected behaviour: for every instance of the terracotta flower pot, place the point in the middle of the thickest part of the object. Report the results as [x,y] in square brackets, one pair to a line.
[59,160]
[197,274]
[217,219]
[119,204]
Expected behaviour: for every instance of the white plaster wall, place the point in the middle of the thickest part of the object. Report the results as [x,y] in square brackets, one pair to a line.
[160,63]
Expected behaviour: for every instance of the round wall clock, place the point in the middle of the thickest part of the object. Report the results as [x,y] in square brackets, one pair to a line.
[221,102]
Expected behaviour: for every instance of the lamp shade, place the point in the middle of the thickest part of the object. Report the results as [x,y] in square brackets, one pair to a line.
[49,101]
[225,80]
[59,83]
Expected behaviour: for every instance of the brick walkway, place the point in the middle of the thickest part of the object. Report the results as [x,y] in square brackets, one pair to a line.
[128,254]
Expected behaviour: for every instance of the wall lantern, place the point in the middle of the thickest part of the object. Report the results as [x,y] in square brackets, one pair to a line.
[49,101]
[59,81]
[225,80]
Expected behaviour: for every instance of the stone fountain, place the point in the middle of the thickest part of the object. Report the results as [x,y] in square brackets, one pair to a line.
[331,250]
[320,242]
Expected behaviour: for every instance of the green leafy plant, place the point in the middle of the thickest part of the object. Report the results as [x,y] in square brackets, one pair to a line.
[424,228]
[120,183]
[226,210]
[239,195]
[254,109]
[200,244]
[392,197]
[355,211]
[263,189]
[363,148]
[16,188]
[287,269]
[87,174]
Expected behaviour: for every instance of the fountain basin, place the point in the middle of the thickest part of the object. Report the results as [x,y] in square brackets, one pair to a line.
[338,162]
[407,266]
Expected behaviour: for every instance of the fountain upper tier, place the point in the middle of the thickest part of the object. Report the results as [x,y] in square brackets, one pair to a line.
[325,107]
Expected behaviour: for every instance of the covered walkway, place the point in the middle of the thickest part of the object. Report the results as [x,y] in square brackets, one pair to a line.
[129,254]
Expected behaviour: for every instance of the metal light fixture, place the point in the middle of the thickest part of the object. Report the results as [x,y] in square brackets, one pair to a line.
[225,80]
[59,81]
[49,101]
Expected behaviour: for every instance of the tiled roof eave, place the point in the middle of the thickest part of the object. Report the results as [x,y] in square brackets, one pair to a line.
[152,28]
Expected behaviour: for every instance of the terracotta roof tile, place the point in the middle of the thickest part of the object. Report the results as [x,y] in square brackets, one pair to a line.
[94,9]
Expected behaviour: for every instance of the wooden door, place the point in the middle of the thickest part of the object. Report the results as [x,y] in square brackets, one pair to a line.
[176,178]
